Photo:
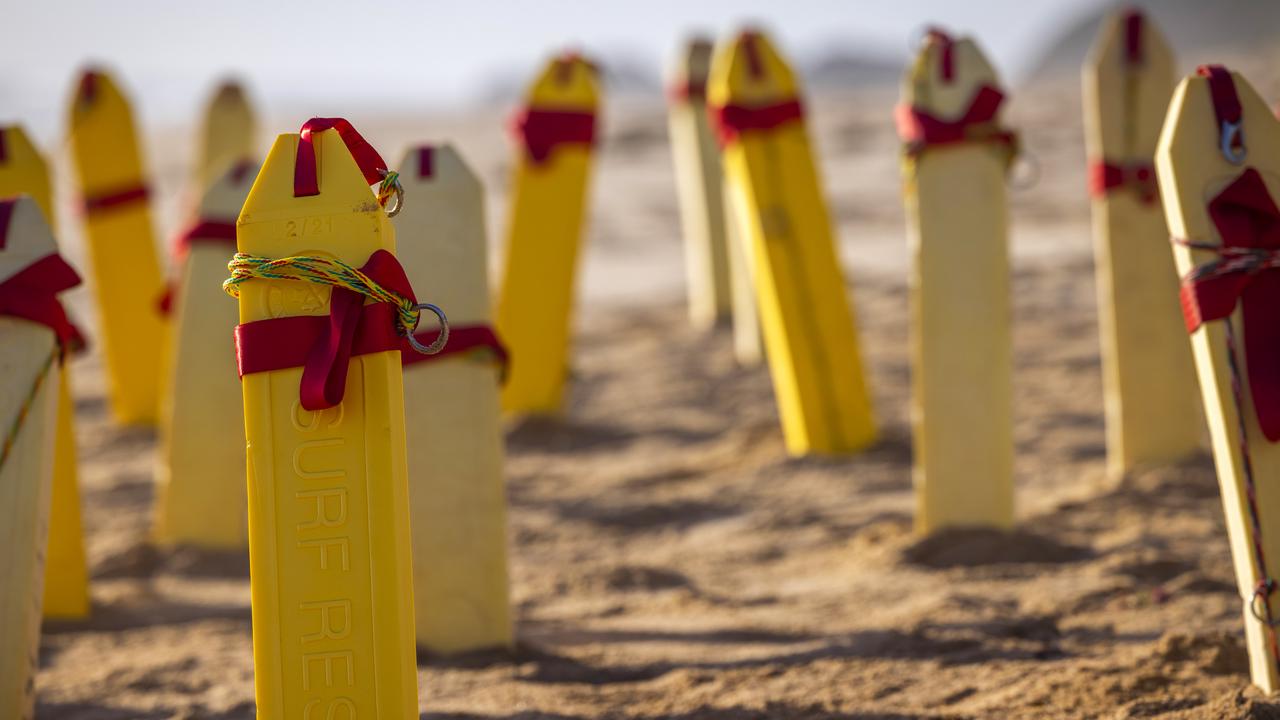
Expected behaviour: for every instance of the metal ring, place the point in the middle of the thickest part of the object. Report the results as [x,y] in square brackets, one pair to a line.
[1263,590]
[1028,179]
[440,340]
[1231,133]
[398,189]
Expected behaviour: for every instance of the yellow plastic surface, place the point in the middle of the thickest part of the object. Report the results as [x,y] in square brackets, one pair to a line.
[801,294]
[24,171]
[453,419]
[201,472]
[1153,413]
[698,184]
[26,477]
[124,270]
[66,583]
[329,547]
[66,573]
[748,345]
[544,232]
[227,134]
[1192,170]
[961,346]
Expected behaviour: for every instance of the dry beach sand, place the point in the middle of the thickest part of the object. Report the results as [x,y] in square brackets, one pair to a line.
[668,561]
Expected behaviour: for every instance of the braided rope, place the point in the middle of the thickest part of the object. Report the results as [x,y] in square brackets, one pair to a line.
[1230,261]
[390,187]
[319,270]
[15,427]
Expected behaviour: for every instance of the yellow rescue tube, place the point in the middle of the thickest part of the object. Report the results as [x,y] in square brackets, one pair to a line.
[1153,413]
[1207,152]
[201,469]
[66,581]
[809,333]
[227,134]
[699,187]
[453,419]
[961,341]
[123,261]
[329,544]
[556,132]
[31,273]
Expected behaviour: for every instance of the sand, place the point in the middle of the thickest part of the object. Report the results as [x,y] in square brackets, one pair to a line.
[669,561]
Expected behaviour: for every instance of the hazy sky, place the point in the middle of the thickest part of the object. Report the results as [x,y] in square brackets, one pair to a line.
[417,54]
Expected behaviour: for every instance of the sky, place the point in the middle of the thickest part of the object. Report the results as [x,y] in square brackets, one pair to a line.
[408,55]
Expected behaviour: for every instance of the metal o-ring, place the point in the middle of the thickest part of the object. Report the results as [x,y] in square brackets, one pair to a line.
[1233,132]
[394,210]
[1030,175]
[1262,591]
[441,339]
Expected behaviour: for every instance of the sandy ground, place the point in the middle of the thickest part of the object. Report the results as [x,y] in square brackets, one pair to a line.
[668,561]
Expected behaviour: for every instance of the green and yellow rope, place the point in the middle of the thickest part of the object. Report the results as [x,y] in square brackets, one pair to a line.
[320,270]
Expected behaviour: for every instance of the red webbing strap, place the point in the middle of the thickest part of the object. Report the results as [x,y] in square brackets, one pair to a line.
[323,346]
[87,90]
[426,162]
[462,339]
[541,131]
[1226,103]
[305,178]
[115,198]
[6,215]
[1248,222]
[946,53]
[920,130]
[1133,22]
[1104,177]
[32,294]
[688,90]
[731,121]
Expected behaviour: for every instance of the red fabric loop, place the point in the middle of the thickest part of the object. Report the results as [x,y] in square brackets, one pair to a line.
[32,294]
[1246,216]
[688,90]
[731,121]
[323,345]
[1133,53]
[462,338]
[920,130]
[1226,103]
[947,57]
[114,199]
[426,162]
[87,90]
[1140,177]
[541,131]
[305,180]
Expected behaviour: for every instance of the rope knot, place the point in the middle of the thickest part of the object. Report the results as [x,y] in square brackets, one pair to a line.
[322,271]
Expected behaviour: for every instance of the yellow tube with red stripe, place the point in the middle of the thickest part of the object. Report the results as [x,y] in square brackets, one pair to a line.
[555,135]
[123,261]
[66,580]
[808,326]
